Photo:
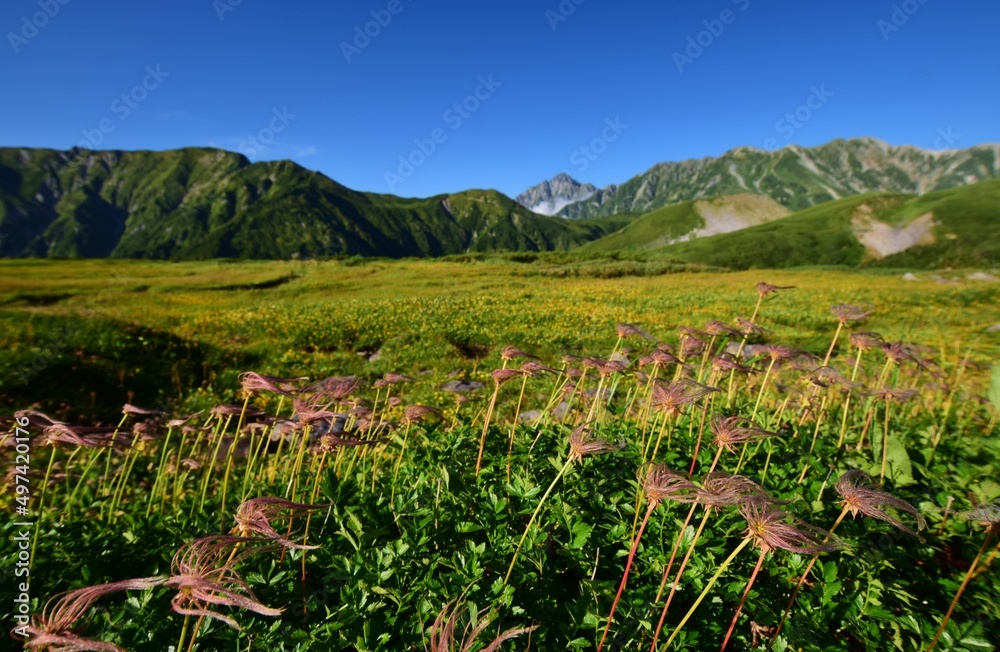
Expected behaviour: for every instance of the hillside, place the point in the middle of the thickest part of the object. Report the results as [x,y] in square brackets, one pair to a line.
[959,227]
[198,203]
[690,220]
[796,177]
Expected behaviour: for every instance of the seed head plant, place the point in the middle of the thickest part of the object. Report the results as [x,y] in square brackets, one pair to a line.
[53,629]
[443,636]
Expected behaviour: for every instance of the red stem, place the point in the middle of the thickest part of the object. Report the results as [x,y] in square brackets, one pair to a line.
[628,567]
[746,592]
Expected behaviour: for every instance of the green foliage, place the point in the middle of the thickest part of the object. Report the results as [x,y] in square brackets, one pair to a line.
[966,234]
[795,177]
[392,552]
[994,394]
[201,203]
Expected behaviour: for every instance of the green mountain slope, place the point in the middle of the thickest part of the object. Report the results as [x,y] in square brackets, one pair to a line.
[959,227]
[205,203]
[796,177]
[689,220]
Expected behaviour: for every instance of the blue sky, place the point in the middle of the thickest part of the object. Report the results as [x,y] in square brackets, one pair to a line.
[676,79]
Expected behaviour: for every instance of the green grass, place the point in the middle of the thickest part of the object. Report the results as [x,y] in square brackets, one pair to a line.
[202,323]
[659,228]
[393,550]
[967,234]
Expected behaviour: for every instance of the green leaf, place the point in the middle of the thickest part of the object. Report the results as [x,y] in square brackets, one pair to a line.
[898,465]
[974,643]
[994,393]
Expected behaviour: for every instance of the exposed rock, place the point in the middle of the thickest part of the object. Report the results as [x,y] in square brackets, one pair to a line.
[910,276]
[529,416]
[461,386]
[881,239]
[749,351]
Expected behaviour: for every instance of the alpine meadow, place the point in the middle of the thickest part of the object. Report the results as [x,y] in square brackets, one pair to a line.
[380,326]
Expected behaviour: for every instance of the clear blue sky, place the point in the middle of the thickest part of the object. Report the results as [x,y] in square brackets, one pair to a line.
[226,66]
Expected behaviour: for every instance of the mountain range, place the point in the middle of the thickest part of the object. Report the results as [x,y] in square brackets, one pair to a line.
[206,203]
[847,202]
[795,177]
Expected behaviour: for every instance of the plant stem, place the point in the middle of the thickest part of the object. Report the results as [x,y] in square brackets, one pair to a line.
[743,600]
[194,633]
[513,426]
[534,515]
[763,384]
[965,582]
[805,574]
[184,629]
[680,574]
[704,592]
[628,567]
[847,402]
[486,427]
[399,461]
[829,352]
[885,441]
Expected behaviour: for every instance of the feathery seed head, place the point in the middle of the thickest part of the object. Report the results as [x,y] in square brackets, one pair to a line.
[764,289]
[770,529]
[133,410]
[203,573]
[581,444]
[720,489]
[531,368]
[721,329]
[631,330]
[671,397]
[52,630]
[508,353]
[416,413]
[862,495]
[253,382]
[728,362]
[442,632]
[254,518]
[747,327]
[501,376]
[727,432]
[845,312]
[660,483]
[865,340]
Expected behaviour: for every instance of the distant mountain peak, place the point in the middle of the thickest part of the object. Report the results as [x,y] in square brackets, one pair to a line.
[550,197]
[799,177]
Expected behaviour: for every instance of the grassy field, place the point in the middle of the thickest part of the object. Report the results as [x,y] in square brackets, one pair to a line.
[183,331]
[535,522]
